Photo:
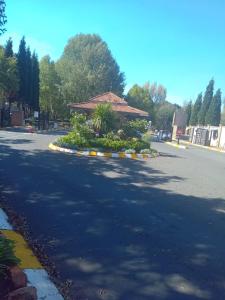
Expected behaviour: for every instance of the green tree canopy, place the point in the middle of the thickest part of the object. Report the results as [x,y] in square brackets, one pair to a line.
[22,69]
[139,97]
[28,68]
[223,114]
[158,93]
[34,82]
[8,76]
[50,100]
[164,116]
[87,68]
[195,110]
[2,17]
[213,114]
[206,103]
[188,110]
[9,48]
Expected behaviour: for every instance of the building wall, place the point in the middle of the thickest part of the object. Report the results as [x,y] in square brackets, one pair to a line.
[216,135]
[222,138]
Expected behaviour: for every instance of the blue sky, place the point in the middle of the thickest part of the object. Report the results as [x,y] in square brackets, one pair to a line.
[178,43]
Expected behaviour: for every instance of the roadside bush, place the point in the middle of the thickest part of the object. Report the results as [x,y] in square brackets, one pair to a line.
[7,256]
[135,128]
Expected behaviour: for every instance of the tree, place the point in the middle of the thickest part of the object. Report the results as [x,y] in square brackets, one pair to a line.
[3,19]
[29,79]
[157,93]
[35,82]
[139,97]
[8,76]
[195,110]
[50,100]
[164,116]
[9,48]
[214,112]
[223,114]
[22,69]
[104,118]
[188,109]
[206,103]
[87,68]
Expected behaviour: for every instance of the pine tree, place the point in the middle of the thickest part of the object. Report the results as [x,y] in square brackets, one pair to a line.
[214,112]
[22,69]
[9,48]
[195,110]
[206,103]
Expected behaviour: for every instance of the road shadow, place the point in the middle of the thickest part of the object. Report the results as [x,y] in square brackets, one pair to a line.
[15,141]
[110,228]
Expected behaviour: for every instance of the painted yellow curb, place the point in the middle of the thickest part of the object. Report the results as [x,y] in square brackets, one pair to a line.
[176,145]
[101,154]
[22,251]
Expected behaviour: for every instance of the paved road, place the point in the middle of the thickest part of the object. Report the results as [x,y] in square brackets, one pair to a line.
[122,229]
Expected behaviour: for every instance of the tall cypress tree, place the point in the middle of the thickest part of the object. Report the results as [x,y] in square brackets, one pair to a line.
[35,82]
[9,48]
[22,69]
[188,109]
[206,103]
[214,112]
[195,110]
[28,91]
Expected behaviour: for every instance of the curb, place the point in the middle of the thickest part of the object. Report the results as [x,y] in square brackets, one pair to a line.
[204,147]
[176,145]
[35,272]
[101,154]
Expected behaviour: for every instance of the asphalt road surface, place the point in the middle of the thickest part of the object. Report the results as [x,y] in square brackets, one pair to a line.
[123,229]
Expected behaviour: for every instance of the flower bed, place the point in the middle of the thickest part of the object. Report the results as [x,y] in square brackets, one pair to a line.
[73,141]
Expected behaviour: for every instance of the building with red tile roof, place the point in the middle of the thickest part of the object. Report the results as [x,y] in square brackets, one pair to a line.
[118,104]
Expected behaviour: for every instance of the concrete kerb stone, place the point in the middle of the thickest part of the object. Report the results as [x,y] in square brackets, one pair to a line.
[177,145]
[101,154]
[35,272]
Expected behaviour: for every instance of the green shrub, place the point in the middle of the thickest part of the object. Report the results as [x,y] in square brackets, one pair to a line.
[7,256]
[104,118]
[73,140]
[135,128]
[112,136]
[78,120]
[130,151]
[80,126]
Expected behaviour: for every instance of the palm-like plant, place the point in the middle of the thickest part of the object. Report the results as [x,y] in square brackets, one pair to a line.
[104,118]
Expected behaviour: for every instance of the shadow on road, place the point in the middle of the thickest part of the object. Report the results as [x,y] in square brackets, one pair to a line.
[109,226]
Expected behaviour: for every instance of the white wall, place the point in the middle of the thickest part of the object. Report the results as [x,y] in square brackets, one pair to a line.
[222,139]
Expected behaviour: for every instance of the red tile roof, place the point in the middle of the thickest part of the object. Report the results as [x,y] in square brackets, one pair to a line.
[118,104]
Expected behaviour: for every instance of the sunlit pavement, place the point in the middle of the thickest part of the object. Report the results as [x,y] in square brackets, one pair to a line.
[122,229]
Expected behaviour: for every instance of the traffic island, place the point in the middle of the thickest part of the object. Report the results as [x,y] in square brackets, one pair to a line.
[92,153]
[23,276]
